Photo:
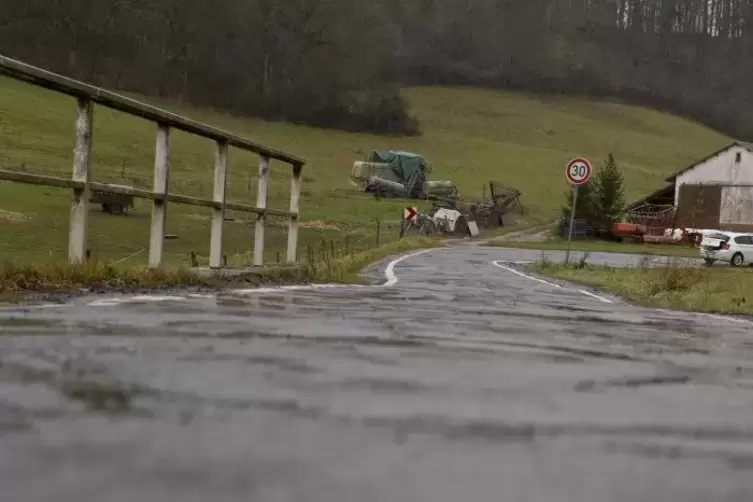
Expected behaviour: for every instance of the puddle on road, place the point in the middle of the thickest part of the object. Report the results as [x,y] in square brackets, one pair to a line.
[288,364]
[24,325]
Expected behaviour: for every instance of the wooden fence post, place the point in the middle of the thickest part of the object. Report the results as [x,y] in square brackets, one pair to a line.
[159,209]
[295,195]
[261,203]
[78,236]
[218,214]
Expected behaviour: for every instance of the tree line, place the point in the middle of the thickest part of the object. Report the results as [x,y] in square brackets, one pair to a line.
[341,63]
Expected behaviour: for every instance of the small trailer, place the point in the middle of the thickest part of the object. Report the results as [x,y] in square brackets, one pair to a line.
[113,203]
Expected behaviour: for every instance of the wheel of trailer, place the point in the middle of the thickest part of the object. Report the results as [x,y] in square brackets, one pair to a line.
[116,208]
[737,260]
[708,261]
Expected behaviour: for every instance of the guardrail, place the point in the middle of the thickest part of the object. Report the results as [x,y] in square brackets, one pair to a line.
[87,96]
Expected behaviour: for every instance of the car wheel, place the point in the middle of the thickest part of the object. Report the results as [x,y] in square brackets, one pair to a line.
[737,260]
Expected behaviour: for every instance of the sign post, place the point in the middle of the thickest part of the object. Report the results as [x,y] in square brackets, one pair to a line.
[409,215]
[578,173]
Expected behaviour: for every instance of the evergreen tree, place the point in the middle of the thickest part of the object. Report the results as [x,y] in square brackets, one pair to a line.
[609,193]
[585,205]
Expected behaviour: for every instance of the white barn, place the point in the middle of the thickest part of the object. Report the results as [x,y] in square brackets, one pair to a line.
[730,166]
[715,192]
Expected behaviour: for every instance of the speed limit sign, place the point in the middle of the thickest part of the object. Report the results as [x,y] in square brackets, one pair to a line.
[578,171]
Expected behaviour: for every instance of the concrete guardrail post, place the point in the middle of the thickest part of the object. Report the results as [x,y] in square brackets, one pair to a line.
[159,208]
[78,236]
[295,194]
[261,203]
[218,214]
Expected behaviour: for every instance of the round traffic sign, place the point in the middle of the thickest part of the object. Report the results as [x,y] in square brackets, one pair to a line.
[578,171]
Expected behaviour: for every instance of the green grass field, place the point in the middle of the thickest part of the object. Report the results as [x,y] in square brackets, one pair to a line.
[604,247]
[470,136]
[675,285]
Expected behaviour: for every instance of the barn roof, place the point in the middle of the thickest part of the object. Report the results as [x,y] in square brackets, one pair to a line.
[665,194]
[747,146]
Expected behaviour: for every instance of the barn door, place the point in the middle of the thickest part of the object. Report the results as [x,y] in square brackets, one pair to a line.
[699,206]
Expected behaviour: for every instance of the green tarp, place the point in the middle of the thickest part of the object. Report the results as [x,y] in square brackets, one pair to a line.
[409,168]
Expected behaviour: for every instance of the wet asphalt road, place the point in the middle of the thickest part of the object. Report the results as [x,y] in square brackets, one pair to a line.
[464,381]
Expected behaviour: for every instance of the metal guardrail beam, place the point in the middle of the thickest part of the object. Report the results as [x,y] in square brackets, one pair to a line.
[65,85]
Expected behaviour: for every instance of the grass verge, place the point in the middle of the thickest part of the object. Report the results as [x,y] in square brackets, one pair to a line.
[674,285]
[603,246]
[21,282]
[28,282]
[346,268]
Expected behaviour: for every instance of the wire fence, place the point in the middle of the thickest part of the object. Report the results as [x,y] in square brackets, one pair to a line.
[325,246]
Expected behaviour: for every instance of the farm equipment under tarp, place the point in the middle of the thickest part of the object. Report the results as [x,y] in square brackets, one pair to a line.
[390,173]
[408,168]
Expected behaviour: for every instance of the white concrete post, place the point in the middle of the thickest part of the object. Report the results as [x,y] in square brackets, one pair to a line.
[295,193]
[78,236]
[159,209]
[218,214]
[261,203]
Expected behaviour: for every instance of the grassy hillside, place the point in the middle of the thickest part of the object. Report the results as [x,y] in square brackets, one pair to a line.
[470,136]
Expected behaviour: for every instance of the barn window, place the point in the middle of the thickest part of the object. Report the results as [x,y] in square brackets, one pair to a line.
[738,157]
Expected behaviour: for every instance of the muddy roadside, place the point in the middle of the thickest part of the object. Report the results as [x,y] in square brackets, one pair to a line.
[539,233]
[115,288]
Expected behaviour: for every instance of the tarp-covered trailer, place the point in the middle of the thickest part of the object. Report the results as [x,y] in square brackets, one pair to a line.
[408,169]
[394,173]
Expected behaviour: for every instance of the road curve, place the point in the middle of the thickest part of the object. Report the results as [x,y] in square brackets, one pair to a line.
[459,377]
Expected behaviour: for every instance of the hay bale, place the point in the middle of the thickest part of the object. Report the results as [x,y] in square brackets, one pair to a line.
[365,170]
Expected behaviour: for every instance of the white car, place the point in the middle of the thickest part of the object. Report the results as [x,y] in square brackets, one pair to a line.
[732,247]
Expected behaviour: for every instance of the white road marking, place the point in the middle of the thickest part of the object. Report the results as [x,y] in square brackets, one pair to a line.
[526,276]
[726,318]
[389,275]
[291,287]
[593,295]
[136,299]
[389,272]
[542,281]
[48,306]
[99,303]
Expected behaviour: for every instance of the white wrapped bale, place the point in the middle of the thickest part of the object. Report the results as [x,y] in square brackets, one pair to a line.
[440,187]
[365,170]
[381,184]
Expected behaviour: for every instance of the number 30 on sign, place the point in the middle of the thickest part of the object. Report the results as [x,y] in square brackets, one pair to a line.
[578,171]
